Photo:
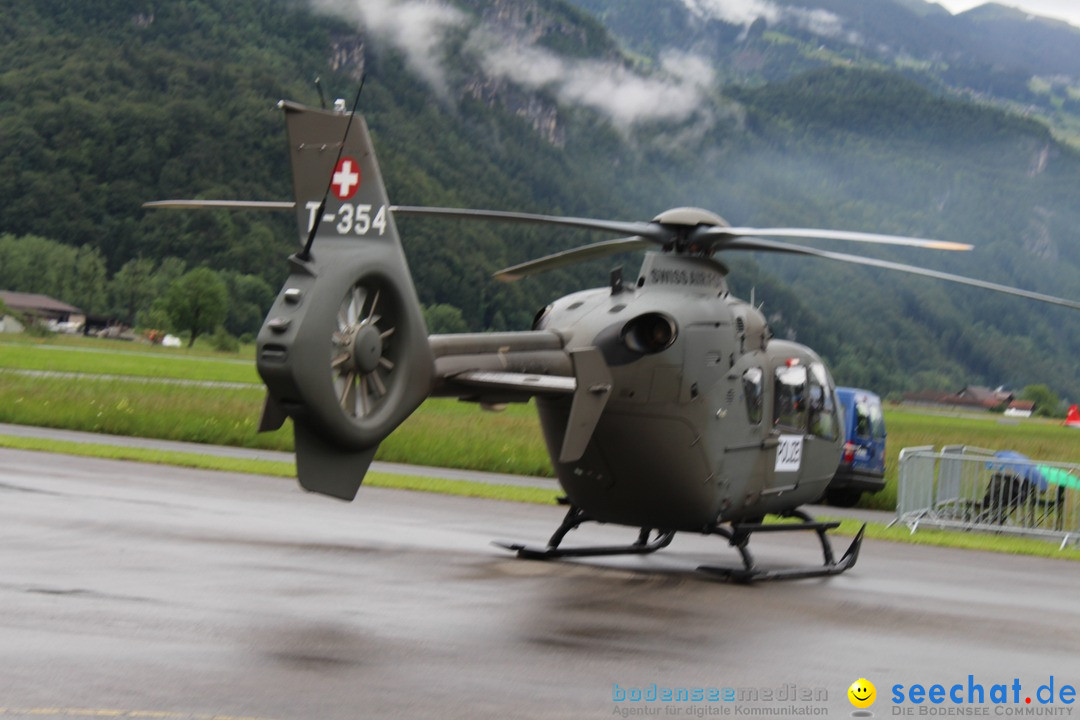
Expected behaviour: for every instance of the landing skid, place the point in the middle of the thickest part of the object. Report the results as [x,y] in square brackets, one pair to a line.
[738,536]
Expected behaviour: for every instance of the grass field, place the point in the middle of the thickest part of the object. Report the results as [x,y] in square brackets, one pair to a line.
[114,394]
[128,389]
[76,355]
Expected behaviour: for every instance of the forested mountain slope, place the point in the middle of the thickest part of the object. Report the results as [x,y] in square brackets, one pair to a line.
[989,52]
[534,106]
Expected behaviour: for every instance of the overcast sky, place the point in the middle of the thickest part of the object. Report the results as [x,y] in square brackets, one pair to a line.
[1068,10]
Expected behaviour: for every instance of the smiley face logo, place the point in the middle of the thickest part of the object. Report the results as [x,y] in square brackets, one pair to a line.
[862,693]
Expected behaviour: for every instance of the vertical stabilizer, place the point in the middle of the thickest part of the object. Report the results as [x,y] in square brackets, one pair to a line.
[344,349]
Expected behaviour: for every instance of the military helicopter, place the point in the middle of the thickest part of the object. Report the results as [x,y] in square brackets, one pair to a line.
[665,403]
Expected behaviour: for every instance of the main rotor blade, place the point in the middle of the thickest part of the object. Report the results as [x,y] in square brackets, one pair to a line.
[720,233]
[220,204]
[653,231]
[762,244]
[569,257]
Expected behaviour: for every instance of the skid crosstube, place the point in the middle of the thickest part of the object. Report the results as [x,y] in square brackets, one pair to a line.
[574,517]
[738,536]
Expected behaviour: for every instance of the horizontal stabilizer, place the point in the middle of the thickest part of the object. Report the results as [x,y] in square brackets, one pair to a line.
[530,383]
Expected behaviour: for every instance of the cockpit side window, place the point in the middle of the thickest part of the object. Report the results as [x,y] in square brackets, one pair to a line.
[822,409]
[789,407]
[753,389]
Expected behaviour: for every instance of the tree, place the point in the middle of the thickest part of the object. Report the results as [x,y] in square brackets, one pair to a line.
[249,300]
[168,271]
[131,289]
[1046,400]
[36,264]
[443,318]
[156,316]
[196,302]
[87,280]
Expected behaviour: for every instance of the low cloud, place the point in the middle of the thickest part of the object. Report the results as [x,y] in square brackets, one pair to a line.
[415,27]
[675,93]
[744,12]
[418,29]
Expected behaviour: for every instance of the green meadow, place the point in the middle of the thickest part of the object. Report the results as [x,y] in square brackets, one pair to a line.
[131,389]
[75,354]
[126,388]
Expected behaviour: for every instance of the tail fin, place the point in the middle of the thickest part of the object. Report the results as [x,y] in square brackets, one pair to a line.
[1073,418]
[344,349]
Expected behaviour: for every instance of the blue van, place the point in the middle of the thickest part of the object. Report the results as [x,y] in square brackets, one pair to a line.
[862,466]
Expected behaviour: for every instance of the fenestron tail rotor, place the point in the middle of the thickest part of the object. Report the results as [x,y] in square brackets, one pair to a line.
[360,352]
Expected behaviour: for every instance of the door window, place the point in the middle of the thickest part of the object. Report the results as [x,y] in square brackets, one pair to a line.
[753,389]
[822,408]
[790,404]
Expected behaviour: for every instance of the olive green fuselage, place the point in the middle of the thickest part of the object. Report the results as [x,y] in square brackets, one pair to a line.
[687,438]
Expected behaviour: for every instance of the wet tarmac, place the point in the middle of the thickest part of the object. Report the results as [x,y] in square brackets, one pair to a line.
[137,591]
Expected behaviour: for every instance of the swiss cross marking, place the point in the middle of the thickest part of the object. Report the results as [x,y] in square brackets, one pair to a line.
[346,178]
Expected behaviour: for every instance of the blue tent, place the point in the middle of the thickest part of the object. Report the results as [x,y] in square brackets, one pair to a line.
[1020,465]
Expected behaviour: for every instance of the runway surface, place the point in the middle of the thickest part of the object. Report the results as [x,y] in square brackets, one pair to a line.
[139,591]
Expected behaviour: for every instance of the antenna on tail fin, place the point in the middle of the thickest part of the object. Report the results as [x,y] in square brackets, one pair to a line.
[306,252]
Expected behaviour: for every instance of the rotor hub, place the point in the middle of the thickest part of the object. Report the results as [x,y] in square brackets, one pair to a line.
[690,217]
[361,368]
[367,348]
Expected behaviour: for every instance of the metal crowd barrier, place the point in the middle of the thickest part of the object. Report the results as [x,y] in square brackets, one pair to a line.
[969,488]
